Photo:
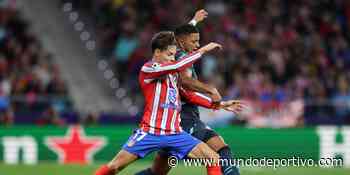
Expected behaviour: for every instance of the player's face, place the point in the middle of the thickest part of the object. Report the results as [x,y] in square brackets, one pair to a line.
[169,54]
[191,42]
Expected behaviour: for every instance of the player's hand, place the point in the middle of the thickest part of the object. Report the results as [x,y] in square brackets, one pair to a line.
[210,47]
[236,106]
[200,15]
[215,95]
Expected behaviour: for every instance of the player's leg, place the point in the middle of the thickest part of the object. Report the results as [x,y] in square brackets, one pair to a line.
[160,165]
[119,162]
[138,146]
[202,150]
[184,144]
[199,130]
[179,145]
[218,144]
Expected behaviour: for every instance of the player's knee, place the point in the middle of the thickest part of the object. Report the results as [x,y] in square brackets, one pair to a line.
[221,147]
[218,147]
[211,153]
[216,143]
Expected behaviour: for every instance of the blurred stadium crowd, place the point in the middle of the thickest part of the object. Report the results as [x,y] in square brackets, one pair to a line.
[289,59]
[30,83]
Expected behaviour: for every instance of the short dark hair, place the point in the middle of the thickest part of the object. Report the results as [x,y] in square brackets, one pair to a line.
[162,40]
[185,29]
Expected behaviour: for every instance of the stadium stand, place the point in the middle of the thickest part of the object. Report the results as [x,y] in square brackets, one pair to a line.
[290,58]
[32,89]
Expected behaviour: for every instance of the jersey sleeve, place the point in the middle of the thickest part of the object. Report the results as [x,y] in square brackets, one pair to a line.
[155,70]
[197,98]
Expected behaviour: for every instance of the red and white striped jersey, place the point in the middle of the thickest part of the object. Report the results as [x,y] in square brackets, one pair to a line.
[159,84]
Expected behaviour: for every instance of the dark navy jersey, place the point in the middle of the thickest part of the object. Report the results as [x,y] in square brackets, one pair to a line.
[188,110]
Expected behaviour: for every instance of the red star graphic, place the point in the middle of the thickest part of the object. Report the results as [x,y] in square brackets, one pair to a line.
[75,147]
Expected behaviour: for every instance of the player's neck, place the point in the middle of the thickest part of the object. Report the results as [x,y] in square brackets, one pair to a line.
[181,49]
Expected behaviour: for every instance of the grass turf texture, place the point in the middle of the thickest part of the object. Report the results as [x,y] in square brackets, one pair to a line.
[54,169]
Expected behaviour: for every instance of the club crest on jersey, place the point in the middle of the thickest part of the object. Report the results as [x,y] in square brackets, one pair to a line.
[172,97]
[155,65]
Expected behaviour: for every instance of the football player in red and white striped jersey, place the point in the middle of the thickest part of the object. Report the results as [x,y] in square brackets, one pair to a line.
[160,126]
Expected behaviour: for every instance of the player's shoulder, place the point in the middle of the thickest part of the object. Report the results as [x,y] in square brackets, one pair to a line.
[150,65]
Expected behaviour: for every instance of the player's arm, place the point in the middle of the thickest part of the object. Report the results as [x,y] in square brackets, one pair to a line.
[198,99]
[193,84]
[157,70]
[198,17]
[190,83]
[236,106]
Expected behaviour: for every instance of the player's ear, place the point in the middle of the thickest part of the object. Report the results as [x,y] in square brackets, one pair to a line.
[157,52]
[179,42]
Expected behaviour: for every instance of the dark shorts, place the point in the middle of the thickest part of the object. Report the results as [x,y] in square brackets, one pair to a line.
[197,129]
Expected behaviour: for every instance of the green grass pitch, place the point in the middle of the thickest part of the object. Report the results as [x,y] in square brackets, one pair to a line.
[54,169]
